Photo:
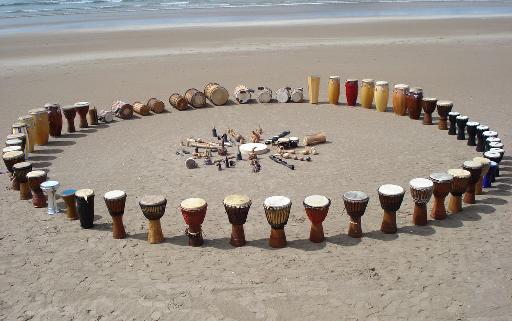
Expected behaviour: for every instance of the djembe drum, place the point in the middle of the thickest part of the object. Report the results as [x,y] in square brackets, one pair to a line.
[216,94]
[351,91]
[367,89]
[242,94]
[316,207]
[390,197]
[496,157]
[70,114]
[35,178]
[11,159]
[443,108]
[333,89]
[122,110]
[277,211]
[283,95]
[475,169]
[264,95]
[489,178]
[297,95]
[452,117]
[115,201]
[29,122]
[400,93]
[156,105]
[428,104]
[480,140]
[486,163]
[106,116]
[237,208]
[459,185]
[442,187]
[20,172]
[54,118]
[355,205]
[421,192]
[471,129]
[178,101]
[413,102]
[85,207]
[41,125]
[140,108]
[461,127]
[22,128]
[82,108]
[195,98]
[50,188]
[68,195]
[313,89]
[93,116]
[194,212]
[381,95]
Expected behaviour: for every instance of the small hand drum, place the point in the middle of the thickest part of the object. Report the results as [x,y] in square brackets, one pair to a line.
[35,178]
[10,159]
[20,173]
[480,141]
[442,186]
[68,195]
[459,185]
[461,127]
[443,108]
[237,208]
[421,192]
[50,188]
[70,114]
[475,168]
[82,108]
[317,207]
[391,197]
[471,129]
[115,201]
[194,212]
[277,211]
[153,208]
[355,205]
[428,105]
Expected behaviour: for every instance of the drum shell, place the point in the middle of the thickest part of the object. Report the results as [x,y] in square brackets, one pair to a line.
[141,108]
[41,128]
[216,94]
[428,106]
[351,91]
[381,96]
[391,203]
[459,185]
[178,101]
[194,217]
[85,209]
[421,195]
[399,101]
[237,215]
[277,217]
[441,189]
[475,174]
[355,209]
[443,110]
[413,104]
[316,214]
[54,120]
[153,212]
[156,105]
[195,98]
[115,207]
[294,143]
[9,163]
[333,90]
[367,91]
[297,95]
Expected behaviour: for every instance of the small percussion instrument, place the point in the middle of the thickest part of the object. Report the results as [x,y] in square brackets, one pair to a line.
[216,94]
[471,129]
[314,139]
[50,188]
[316,207]
[70,113]
[283,95]
[277,211]
[294,142]
[421,192]
[313,89]
[381,95]
[29,122]
[442,187]
[264,95]
[486,163]
[428,104]
[480,144]
[496,157]
[140,108]
[156,105]
[489,178]
[459,185]
[122,110]
[41,125]
[35,178]
[194,212]
[297,95]
[501,152]
[413,102]
[400,93]
[115,201]
[351,91]
[333,89]
[54,118]
[391,197]
[237,208]
[20,172]
[10,159]
[367,89]
[452,117]
[93,116]
[22,128]
[106,116]
[82,108]
[85,206]
[242,94]
[475,169]
[443,108]
[355,205]
[68,195]
[178,101]
[461,127]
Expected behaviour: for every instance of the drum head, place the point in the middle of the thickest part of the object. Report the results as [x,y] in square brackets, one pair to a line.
[368,81]
[22,165]
[421,183]
[391,190]
[259,148]
[462,117]
[37,111]
[441,177]
[277,201]
[237,200]
[50,185]
[317,201]
[33,174]
[152,200]
[332,77]
[85,193]
[48,105]
[355,196]
[401,86]
[429,99]
[193,203]
[13,142]
[82,104]
[12,155]
[68,107]
[11,149]
[114,195]
[500,151]
[68,192]
[492,155]
[472,124]
[472,164]
[444,103]
[498,145]
[482,128]
[482,160]
[381,83]
[459,173]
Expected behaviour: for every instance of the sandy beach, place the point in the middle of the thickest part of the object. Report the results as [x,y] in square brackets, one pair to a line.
[455,269]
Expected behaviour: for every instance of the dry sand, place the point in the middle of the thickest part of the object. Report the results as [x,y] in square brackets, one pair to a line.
[456,269]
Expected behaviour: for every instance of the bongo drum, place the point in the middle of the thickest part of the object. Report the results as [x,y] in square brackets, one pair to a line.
[194,212]
[20,172]
[106,116]
[264,95]
[29,122]
[459,185]
[471,129]
[22,128]
[391,197]
[452,117]
[367,89]
[297,95]
[421,192]
[316,207]
[355,205]
[475,169]
[313,89]
[178,101]
[216,94]
[486,163]
[153,208]
[156,105]
[351,91]
[461,127]
[85,206]
[10,159]
[68,195]
[283,95]
[140,108]
[122,110]
[237,207]
[50,188]
[443,108]
[413,102]
[400,93]
[480,144]
[442,186]
[70,113]
[496,157]
[115,201]
[35,178]
[381,95]
[82,108]
[242,94]
[54,119]
[277,211]
[41,125]
[93,116]
[489,178]
[333,89]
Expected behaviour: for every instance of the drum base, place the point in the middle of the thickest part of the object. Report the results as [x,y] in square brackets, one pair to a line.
[195,235]
[118,231]
[469,196]
[478,187]
[25,193]
[15,185]
[442,124]
[354,228]
[427,119]
[455,204]
[237,235]
[316,234]
[277,238]
[438,209]
[38,199]
[389,223]
[155,234]
[419,216]
[71,129]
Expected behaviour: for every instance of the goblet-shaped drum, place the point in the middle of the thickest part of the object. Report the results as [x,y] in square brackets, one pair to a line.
[153,208]
[488,179]
[493,157]
[461,127]
[486,135]
[500,151]
[277,211]
[391,197]
[156,105]
[70,114]
[216,94]
[400,93]
[471,129]
[283,95]
[178,101]
[35,179]
[480,140]
[122,110]
[20,172]
[28,120]
[22,128]
[355,205]
[486,164]
[115,201]
[459,185]
[41,125]
[351,91]
[316,207]
[264,95]
[68,195]
[10,159]
[50,188]
[428,104]
[381,95]
[443,108]
[367,89]
[452,117]
[54,118]
[242,94]
[85,206]
[297,95]
[421,192]
[442,186]
[475,168]
[313,89]
[197,99]
[333,89]
[413,102]
[237,208]
[82,108]
[194,212]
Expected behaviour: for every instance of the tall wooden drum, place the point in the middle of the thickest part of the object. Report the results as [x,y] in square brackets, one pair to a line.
[277,211]
[316,207]
[381,95]
[400,93]
[367,90]
[313,88]
[333,89]
[41,125]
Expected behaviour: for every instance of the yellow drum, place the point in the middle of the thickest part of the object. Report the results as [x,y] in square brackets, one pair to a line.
[400,93]
[29,121]
[367,89]
[381,95]
[41,125]
[314,88]
[333,90]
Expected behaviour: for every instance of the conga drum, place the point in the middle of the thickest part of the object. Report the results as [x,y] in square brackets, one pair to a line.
[20,172]
[297,95]
[29,121]
[93,116]
[82,108]
[22,128]
[355,205]
[70,114]
[68,195]
[140,108]
[400,93]
[10,159]
[494,157]
[471,129]
[237,208]
[85,206]
[442,187]
[367,89]
[106,116]
[390,197]
[54,118]
[216,94]
[283,95]
[313,89]
[428,104]
[421,192]
[35,178]
[316,207]
[156,105]
[50,188]
[489,178]
[153,208]
[475,169]
[41,125]
[333,89]
[351,91]
[178,101]
[413,102]
[195,98]
[452,117]
[461,127]
[115,201]
[459,185]
[480,141]
[486,163]
[277,210]
[194,212]
[443,108]
[381,95]
[122,110]
[242,94]
[264,95]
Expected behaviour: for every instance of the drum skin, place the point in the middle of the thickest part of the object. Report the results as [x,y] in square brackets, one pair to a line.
[216,94]
[195,98]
